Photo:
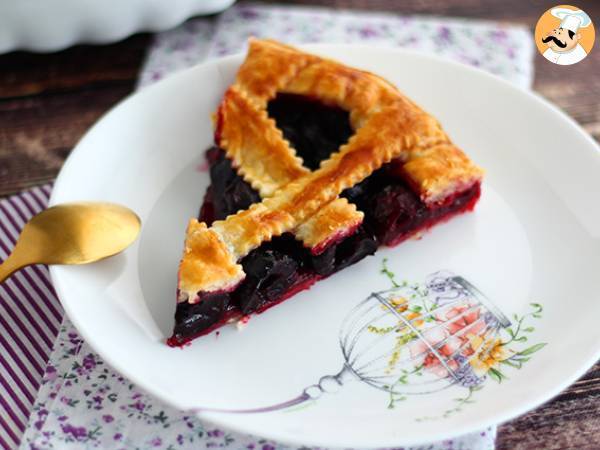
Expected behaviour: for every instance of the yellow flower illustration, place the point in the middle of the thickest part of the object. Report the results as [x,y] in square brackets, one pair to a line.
[413,315]
[489,353]
[404,332]
[400,304]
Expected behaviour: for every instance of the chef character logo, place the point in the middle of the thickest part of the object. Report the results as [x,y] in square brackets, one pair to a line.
[564,35]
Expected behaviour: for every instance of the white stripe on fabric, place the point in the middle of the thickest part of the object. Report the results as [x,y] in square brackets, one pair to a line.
[24,343]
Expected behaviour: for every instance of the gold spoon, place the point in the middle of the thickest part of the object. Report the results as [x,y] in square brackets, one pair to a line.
[73,233]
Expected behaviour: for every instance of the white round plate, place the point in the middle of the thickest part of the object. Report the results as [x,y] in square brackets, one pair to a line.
[533,238]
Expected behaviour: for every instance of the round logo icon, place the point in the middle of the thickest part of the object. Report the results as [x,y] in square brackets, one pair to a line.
[564,35]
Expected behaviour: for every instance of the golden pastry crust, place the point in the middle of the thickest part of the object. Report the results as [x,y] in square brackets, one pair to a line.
[387,124]
[255,145]
[268,67]
[354,90]
[330,224]
[223,273]
[264,159]
[247,229]
[441,170]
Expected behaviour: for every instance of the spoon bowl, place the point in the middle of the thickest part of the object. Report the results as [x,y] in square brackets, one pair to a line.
[73,233]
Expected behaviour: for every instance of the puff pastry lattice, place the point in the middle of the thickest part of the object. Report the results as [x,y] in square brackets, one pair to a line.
[387,126]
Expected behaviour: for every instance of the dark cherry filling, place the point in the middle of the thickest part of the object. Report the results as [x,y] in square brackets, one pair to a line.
[315,130]
[279,269]
[228,192]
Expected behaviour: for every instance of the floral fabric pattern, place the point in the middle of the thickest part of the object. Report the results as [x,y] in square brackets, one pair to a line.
[504,50]
[84,404]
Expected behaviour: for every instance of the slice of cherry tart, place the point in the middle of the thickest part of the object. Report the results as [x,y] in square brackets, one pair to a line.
[315,165]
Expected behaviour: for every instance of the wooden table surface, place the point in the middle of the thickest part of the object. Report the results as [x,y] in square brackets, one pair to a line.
[48,101]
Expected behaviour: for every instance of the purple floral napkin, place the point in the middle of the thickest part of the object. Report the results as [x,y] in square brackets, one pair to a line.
[83,403]
[501,49]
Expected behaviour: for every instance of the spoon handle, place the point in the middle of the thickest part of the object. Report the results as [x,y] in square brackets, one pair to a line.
[11,265]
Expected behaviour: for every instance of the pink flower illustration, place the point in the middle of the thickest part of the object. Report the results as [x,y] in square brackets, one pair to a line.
[450,339]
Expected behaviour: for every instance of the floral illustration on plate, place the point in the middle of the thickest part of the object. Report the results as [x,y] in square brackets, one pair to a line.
[444,332]
[421,338]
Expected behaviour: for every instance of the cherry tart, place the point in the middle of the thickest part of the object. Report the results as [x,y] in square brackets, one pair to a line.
[315,165]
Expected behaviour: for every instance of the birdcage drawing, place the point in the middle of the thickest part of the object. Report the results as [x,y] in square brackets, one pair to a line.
[415,339]
[412,339]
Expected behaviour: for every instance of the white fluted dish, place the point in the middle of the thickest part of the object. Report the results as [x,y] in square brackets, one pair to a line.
[51,25]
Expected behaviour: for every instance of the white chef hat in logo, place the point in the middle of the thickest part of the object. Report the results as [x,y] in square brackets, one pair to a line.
[571,19]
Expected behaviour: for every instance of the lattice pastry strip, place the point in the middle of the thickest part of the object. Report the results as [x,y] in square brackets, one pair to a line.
[274,65]
[287,70]
[255,145]
[265,160]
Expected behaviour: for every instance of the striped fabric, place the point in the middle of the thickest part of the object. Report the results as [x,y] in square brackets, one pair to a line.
[30,317]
